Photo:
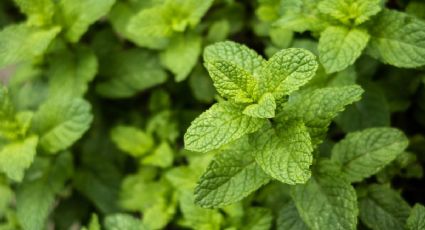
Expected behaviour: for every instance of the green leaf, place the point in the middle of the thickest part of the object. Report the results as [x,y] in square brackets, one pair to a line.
[362,154]
[289,218]
[181,55]
[162,156]
[287,70]
[416,220]
[383,208]
[416,8]
[17,156]
[132,140]
[122,222]
[352,11]
[21,43]
[237,54]
[285,152]
[402,44]
[78,15]
[196,217]
[317,108]
[61,121]
[327,200]
[265,108]
[339,47]
[231,81]
[39,12]
[120,16]
[371,111]
[94,223]
[257,219]
[71,72]
[129,72]
[231,176]
[219,125]
[35,197]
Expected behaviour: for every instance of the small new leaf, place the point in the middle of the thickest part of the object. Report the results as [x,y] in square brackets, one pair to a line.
[265,108]
[416,220]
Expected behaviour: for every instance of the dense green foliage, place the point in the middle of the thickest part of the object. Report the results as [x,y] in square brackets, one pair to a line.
[212,114]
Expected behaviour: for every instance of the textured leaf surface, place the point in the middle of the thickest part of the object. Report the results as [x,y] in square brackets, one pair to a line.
[339,47]
[61,121]
[289,218]
[231,81]
[362,154]
[219,125]
[21,42]
[402,44]
[351,11]
[17,156]
[383,208]
[78,15]
[132,140]
[265,108]
[182,55]
[231,176]
[237,54]
[288,70]
[285,153]
[416,220]
[327,200]
[317,108]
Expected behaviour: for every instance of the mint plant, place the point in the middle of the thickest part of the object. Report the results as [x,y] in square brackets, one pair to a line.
[346,28]
[213,114]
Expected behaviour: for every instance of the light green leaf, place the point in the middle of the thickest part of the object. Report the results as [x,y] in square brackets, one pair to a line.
[231,176]
[21,42]
[162,156]
[219,125]
[182,13]
[129,72]
[181,55]
[94,223]
[351,11]
[327,200]
[61,121]
[132,140]
[287,71]
[231,81]
[237,54]
[71,72]
[402,44]
[35,197]
[383,208]
[39,12]
[289,218]
[317,108]
[120,16]
[362,154]
[285,152]
[17,156]
[257,219]
[339,47]
[265,108]
[196,217]
[416,220]
[78,15]
[123,222]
